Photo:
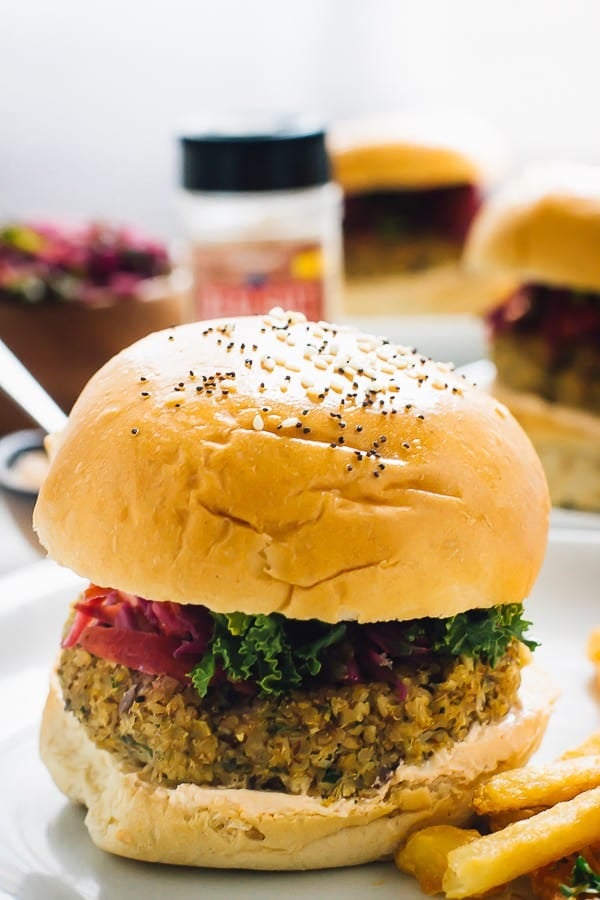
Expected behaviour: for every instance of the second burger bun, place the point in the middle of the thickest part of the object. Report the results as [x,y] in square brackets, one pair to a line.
[542,227]
[440,290]
[336,477]
[202,826]
[412,151]
[567,440]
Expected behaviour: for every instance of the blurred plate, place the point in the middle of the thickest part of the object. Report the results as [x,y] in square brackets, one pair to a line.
[45,851]
[22,461]
[450,338]
[573,518]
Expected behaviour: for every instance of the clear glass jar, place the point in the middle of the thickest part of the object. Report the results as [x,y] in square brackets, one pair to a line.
[263,224]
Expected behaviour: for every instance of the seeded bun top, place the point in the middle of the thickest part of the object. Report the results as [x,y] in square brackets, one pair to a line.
[268,464]
[542,226]
[413,152]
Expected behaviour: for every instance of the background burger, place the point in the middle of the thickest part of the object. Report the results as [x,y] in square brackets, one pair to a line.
[412,186]
[543,229]
[303,634]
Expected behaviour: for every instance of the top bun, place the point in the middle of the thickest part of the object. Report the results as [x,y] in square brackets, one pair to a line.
[267,464]
[543,226]
[412,152]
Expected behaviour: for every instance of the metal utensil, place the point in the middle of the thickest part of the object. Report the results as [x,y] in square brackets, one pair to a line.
[20,385]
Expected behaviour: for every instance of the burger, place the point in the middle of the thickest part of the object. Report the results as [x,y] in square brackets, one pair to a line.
[543,229]
[412,186]
[303,635]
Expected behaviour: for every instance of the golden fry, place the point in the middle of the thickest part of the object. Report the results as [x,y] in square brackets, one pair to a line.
[425,854]
[538,785]
[589,747]
[519,848]
[499,820]
[593,646]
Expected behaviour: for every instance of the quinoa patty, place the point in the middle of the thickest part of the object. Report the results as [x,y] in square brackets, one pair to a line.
[331,741]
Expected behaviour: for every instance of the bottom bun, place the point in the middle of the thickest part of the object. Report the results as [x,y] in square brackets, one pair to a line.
[445,288]
[223,828]
[567,441]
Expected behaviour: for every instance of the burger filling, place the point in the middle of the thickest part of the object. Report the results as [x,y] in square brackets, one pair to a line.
[547,341]
[183,694]
[387,232]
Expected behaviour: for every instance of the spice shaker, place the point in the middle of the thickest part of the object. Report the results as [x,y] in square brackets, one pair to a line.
[263,222]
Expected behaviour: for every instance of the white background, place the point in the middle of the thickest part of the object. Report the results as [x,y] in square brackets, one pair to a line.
[92,92]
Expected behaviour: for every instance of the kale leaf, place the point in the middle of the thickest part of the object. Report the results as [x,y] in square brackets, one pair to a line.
[583,880]
[484,633]
[262,649]
[277,654]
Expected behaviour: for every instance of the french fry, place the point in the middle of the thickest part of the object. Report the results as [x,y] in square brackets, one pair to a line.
[593,645]
[519,848]
[425,854]
[538,785]
[499,820]
[589,747]
[593,650]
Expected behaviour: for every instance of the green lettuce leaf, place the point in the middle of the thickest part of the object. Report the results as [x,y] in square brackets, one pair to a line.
[278,654]
[261,649]
[484,633]
[584,881]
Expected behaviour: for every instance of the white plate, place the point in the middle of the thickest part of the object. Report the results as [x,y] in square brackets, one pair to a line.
[45,853]
[572,518]
[456,338]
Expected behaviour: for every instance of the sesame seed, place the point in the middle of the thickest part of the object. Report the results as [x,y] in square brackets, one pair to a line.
[290,423]
[145,393]
[257,423]
[135,430]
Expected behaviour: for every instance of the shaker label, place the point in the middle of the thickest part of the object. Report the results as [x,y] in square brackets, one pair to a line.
[251,278]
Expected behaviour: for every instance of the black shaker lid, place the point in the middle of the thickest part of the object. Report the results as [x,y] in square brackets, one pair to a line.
[231,160]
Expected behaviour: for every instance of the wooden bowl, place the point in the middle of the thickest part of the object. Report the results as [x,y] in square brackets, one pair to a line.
[63,344]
